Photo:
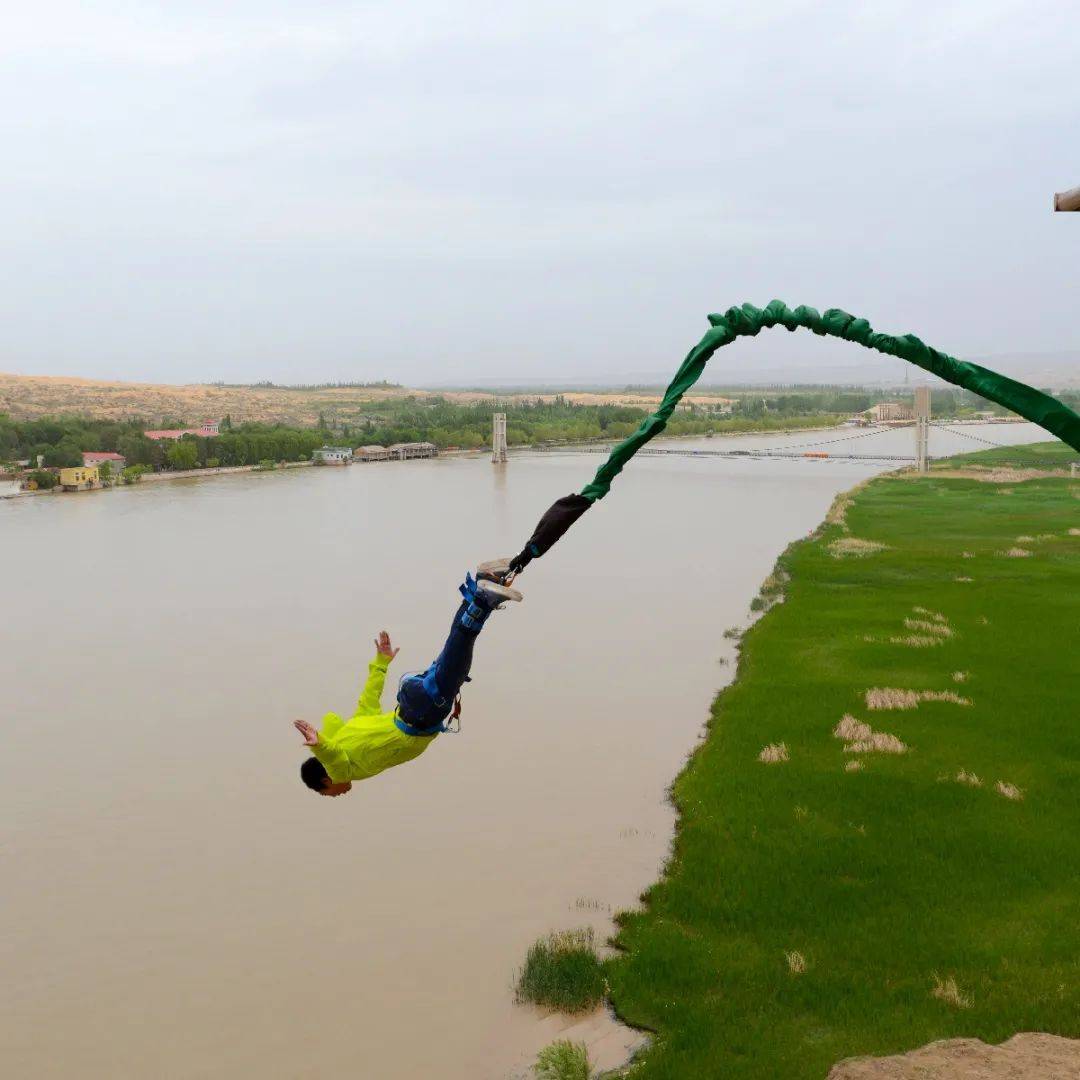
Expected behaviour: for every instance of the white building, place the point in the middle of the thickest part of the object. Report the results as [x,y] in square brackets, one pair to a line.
[332,455]
[889,411]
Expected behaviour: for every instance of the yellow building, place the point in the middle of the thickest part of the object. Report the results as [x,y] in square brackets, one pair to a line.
[80,478]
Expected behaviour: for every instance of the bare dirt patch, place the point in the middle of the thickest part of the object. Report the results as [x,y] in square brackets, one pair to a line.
[1028,1056]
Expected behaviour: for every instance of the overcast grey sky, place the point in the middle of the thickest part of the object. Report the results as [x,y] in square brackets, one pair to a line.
[430,192]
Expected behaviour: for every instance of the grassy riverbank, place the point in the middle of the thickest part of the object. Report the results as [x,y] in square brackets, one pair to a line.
[816,908]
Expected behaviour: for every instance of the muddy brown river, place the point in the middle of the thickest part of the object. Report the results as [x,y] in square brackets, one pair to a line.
[177,905]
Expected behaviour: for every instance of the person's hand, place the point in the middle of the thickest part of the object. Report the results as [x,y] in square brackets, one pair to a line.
[307,732]
[384,646]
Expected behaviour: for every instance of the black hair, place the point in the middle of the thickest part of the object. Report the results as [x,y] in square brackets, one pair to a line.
[314,775]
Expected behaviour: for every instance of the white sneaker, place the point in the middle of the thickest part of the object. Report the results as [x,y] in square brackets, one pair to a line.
[493,570]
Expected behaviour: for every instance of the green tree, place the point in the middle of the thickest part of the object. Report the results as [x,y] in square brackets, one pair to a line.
[44,481]
[137,449]
[183,454]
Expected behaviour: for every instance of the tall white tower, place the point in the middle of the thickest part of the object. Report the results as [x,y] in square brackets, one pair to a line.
[498,438]
[922,427]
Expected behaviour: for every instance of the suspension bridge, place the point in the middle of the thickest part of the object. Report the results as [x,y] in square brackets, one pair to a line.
[810,451]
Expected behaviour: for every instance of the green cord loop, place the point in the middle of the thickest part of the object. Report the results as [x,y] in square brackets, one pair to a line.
[748,321]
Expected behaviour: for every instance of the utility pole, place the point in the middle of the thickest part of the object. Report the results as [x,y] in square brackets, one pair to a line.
[498,439]
[922,427]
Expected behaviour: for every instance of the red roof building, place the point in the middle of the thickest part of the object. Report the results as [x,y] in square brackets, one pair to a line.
[95,457]
[209,429]
[175,433]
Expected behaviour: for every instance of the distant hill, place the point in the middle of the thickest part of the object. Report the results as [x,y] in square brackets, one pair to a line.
[27,397]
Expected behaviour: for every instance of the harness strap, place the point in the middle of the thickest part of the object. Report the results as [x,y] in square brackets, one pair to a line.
[450,726]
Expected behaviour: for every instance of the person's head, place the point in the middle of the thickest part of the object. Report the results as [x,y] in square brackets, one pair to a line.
[316,777]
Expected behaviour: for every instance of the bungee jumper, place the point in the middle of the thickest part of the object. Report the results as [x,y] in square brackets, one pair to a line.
[372,740]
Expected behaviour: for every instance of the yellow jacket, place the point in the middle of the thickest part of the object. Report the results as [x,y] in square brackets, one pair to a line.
[370,741]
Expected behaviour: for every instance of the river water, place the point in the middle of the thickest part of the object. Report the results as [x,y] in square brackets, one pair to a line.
[177,905]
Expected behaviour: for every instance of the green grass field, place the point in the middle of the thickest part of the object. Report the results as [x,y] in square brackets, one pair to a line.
[1043,455]
[810,912]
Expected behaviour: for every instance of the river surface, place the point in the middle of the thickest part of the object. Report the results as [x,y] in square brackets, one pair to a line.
[177,905]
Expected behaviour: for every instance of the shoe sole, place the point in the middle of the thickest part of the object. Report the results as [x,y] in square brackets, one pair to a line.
[503,592]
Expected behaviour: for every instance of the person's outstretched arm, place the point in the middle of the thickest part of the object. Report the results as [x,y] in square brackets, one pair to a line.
[371,696]
[325,748]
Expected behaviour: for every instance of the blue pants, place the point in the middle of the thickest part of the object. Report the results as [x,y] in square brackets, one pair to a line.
[424,701]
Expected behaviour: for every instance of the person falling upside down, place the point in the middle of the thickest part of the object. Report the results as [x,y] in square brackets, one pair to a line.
[372,740]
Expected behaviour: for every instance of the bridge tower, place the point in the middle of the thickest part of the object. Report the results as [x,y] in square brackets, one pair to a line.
[922,427]
[498,438]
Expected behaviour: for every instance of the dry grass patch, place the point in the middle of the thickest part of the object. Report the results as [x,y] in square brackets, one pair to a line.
[773,753]
[887,697]
[947,990]
[960,676]
[880,742]
[1017,553]
[928,627]
[935,615]
[796,962]
[837,514]
[967,554]
[1009,791]
[849,729]
[964,579]
[1074,532]
[860,738]
[853,766]
[854,548]
[969,778]
[917,641]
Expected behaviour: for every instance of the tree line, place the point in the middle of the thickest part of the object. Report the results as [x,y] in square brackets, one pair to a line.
[61,440]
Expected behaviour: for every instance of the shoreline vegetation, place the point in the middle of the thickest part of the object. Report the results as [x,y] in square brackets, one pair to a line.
[160,443]
[877,840]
